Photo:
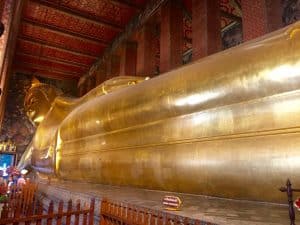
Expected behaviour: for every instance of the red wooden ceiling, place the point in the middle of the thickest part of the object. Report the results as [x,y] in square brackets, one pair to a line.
[62,38]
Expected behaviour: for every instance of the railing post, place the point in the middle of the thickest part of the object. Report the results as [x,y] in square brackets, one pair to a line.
[289,191]
[160,219]
[50,213]
[141,216]
[77,215]
[103,211]
[39,212]
[60,211]
[68,219]
[4,213]
[29,213]
[91,213]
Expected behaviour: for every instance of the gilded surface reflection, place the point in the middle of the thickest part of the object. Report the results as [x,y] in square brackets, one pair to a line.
[226,125]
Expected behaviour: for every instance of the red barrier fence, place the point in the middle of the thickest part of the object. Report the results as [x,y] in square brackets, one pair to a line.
[35,214]
[21,198]
[126,214]
[111,213]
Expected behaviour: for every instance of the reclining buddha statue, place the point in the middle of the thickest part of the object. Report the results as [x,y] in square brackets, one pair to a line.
[227,125]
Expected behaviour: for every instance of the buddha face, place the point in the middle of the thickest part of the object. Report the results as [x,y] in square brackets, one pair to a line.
[38,101]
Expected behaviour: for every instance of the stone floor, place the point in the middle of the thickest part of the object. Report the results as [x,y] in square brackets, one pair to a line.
[214,210]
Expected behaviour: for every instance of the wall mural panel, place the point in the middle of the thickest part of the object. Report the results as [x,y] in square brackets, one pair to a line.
[232,31]
[16,126]
[232,36]
[187,40]
[187,33]
[231,7]
[291,11]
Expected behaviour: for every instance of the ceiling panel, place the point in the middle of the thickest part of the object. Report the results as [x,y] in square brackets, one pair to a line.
[47,63]
[31,70]
[62,38]
[107,10]
[36,49]
[42,14]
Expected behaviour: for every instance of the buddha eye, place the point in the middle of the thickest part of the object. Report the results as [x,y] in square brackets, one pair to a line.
[32,101]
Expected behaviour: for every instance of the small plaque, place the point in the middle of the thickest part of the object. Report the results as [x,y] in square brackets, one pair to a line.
[297,204]
[172,202]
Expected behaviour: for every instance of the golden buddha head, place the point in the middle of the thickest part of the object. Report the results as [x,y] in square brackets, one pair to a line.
[38,100]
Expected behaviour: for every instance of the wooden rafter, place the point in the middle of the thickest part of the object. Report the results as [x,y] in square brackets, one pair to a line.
[49,38]
[57,60]
[65,32]
[128,4]
[78,13]
[42,60]
[51,69]
[55,46]
[44,73]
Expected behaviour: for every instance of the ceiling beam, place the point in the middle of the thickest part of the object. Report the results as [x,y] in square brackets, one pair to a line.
[78,13]
[128,4]
[43,73]
[58,60]
[59,49]
[231,16]
[47,68]
[43,26]
[65,32]
[26,38]
[56,64]
[54,60]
